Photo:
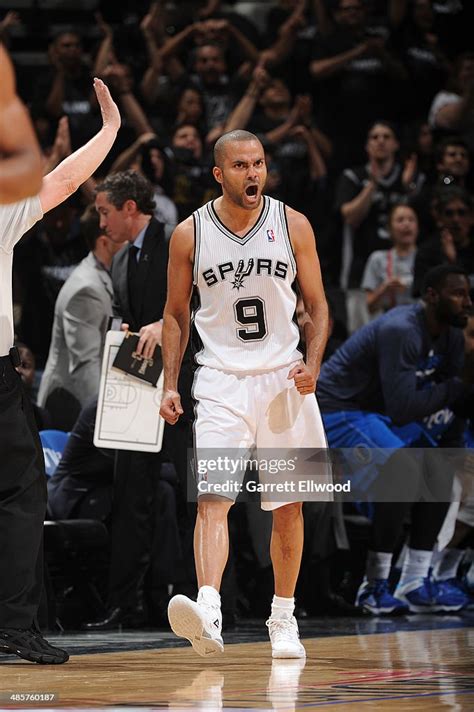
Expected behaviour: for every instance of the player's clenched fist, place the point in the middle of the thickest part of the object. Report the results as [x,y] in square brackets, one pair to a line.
[171,408]
[305,381]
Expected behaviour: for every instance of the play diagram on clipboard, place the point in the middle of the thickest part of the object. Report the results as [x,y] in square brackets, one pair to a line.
[128,409]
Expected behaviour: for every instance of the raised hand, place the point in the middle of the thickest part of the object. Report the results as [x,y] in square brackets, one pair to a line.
[62,141]
[108,107]
[304,106]
[409,170]
[448,245]
[11,18]
[103,26]
[150,22]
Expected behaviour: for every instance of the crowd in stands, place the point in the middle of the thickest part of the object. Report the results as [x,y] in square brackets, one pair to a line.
[365,109]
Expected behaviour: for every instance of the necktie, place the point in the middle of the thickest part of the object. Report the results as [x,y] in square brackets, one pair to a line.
[133,283]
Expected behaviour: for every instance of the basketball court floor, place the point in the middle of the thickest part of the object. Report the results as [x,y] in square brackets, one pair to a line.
[409,663]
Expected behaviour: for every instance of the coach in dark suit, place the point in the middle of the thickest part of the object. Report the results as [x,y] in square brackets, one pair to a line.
[139,271]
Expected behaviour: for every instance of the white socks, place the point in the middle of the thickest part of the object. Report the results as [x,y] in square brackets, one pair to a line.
[378,565]
[282,608]
[210,595]
[416,565]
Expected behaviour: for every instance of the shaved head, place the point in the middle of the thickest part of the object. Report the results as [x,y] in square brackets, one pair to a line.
[230,137]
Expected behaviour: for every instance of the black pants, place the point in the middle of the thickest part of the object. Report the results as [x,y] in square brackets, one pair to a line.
[143,512]
[22,504]
[427,483]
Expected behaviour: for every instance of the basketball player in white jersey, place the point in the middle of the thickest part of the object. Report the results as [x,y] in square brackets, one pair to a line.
[243,252]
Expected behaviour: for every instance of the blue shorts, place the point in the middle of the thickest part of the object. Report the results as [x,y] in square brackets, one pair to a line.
[350,428]
[364,441]
[356,428]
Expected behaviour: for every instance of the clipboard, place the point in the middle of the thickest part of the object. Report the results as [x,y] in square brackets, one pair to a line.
[128,409]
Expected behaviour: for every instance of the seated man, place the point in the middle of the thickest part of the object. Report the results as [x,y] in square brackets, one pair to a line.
[398,370]
[82,484]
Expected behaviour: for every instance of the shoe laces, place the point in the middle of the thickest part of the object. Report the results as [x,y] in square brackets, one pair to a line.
[213,610]
[282,629]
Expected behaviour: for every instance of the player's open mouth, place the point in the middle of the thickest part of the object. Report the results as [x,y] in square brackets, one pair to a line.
[251,191]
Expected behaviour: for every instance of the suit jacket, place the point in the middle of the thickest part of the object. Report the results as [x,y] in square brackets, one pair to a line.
[81,316]
[149,301]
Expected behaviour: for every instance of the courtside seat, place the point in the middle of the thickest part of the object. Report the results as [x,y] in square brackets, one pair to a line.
[53,443]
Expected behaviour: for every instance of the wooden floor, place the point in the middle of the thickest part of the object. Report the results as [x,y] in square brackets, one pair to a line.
[404,670]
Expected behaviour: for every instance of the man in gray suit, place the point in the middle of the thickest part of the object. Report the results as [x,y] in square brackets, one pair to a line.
[81,314]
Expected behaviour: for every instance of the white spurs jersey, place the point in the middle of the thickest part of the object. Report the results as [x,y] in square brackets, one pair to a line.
[245,284]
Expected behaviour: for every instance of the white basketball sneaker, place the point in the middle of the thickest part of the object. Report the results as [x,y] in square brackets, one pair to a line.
[285,639]
[200,622]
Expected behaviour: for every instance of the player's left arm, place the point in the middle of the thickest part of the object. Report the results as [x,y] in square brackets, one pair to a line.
[315,321]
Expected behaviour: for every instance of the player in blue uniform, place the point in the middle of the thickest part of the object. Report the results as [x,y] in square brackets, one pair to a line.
[396,383]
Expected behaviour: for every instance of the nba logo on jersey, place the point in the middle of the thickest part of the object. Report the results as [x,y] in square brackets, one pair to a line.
[271,236]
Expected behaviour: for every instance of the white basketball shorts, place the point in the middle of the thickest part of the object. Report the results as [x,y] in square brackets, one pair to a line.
[238,413]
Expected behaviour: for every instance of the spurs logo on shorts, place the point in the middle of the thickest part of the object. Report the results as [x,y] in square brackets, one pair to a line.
[246,289]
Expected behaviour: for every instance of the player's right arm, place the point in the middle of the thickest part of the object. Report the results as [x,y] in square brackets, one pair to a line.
[176,317]
[20,156]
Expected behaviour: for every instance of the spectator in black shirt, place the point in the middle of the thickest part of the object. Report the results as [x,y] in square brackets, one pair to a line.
[290,36]
[66,90]
[194,184]
[285,126]
[452,162]
[452,109]
[364,197]
[453,242]
[418,47]
[209,71]
[358,77]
